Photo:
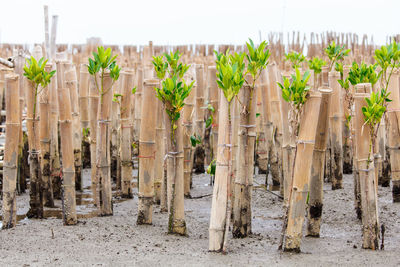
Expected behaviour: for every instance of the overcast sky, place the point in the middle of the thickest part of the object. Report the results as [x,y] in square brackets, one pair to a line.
[201,21]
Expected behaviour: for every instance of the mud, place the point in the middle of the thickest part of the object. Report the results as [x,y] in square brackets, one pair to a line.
[118,241]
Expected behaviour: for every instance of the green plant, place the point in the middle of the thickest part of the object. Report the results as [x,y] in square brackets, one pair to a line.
[210,119]
[387,57]
[195,140]
[174,89]
[103,61]
[335,53]
[295,93]
[295,58]
[85,132]
[363,74]
[316,65]
[211,168]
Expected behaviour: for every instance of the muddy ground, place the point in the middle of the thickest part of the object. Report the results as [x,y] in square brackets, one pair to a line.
[118,241]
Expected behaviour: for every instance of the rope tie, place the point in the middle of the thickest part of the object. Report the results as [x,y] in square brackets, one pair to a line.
[127,163]
[153,156]
[248,126]
[147,142]
[64,121]
[12,123]
[45,140]
[393,148]
[304,142]
[103,121]
[31,119]
[75,114]
[34,152]
[10,166]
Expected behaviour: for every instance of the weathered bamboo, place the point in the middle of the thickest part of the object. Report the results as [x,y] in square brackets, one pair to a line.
[68,186]
[213,95]
[187,116]
[138,103]
[368,189]
[160,185]
[71,83]
[84,113]
[44,135]
[10,170]
[245,167]
[393,115]
[220,205]
[318,164]
[115,133]
[347,145]
[335,132]
[93,113]
[261,142]
[126,126]
[103,145]
[301,173]
[147,152]
[175,177]
[32,124]
[199,153]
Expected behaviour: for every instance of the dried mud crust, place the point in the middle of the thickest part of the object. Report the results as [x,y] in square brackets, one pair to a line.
[117,240]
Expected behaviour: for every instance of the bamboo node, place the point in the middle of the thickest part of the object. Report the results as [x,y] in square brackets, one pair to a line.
[75,114]
[45,140]
[34,152]
[248,126]
[147,142]
[393,148]
[64,121]
[366,170]
[12,123]
[127,163]
[104,121]
[10,166]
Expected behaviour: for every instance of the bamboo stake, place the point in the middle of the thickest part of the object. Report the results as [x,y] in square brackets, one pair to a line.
[160,185]
[301,173]
[199,153]
[93,113]
[13,125]
[213,93]
[103,145]
[138,103]
[318,164]
[335,134]
[68,186]
[126,126]
[115,133]
[84,113]
[147,152]
[368,189]
[71,83]
[266,123]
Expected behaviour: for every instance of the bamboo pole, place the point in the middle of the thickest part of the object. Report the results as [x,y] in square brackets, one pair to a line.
[84,79]
[301,173]
[44,135]
[368,189]
[115,133]
[220,205]
[103,146]
[199,153]
[71,83]
[393,115]
[93,114]
[13,125]
[160,184]
[318,164]
[261,143]
[335,132]
[187,116]
[147,152]
[347,145]
[68,186]
[138,103]
[126,126]
[213,93]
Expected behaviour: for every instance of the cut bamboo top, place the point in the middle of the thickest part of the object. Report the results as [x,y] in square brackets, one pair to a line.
[393,88]
[12,98]
[362,133]
[361,88]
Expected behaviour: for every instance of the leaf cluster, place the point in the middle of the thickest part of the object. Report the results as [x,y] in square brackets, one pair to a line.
[257,58]
[103,60]
[295,58]
[375,108]
[336,53]
[295,91]
[35,71]
[316,64]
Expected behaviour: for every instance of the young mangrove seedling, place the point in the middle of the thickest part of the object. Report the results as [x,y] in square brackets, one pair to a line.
[295,58]
[335,54]
[316,65]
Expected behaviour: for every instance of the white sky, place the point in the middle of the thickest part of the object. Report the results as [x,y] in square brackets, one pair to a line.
[186,22]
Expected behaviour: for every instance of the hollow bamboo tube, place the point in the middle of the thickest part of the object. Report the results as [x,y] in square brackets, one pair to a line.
[84,113]
[32,125]
[235,122]
[175,177]
[347,145]
[71,83]
[394,134]
[10,170]
[68,186]
[335,132]
[138,103]
[199,153]
[115,133]
[266,122]
[147,152]
[301,173]
[93,113]
[44,135]
[187,116]
[318,164]
[213,94]
[126,127]
[245,169]
[103,145]
[368,190]
[220,205]
[261,143]
[276,111]
[160,185]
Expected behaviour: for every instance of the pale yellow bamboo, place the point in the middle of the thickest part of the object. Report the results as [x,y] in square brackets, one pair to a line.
[213,93]
[138,103]
[93,113]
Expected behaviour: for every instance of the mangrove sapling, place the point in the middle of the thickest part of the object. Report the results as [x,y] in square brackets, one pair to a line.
[172,93]
[229,79]
[13,124]
[335,54]
[257,60]
[37,78]
[296,59]
[105,71]
[302,126]
[316,65]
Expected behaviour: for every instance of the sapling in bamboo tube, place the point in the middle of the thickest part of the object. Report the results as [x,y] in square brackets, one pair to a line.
[105,72]
[68,186]
[230,79]
[71,83]
[303,118]
[37,78]
[257,58]
[172,92]
[147,152]
[10,170]
[126,127]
